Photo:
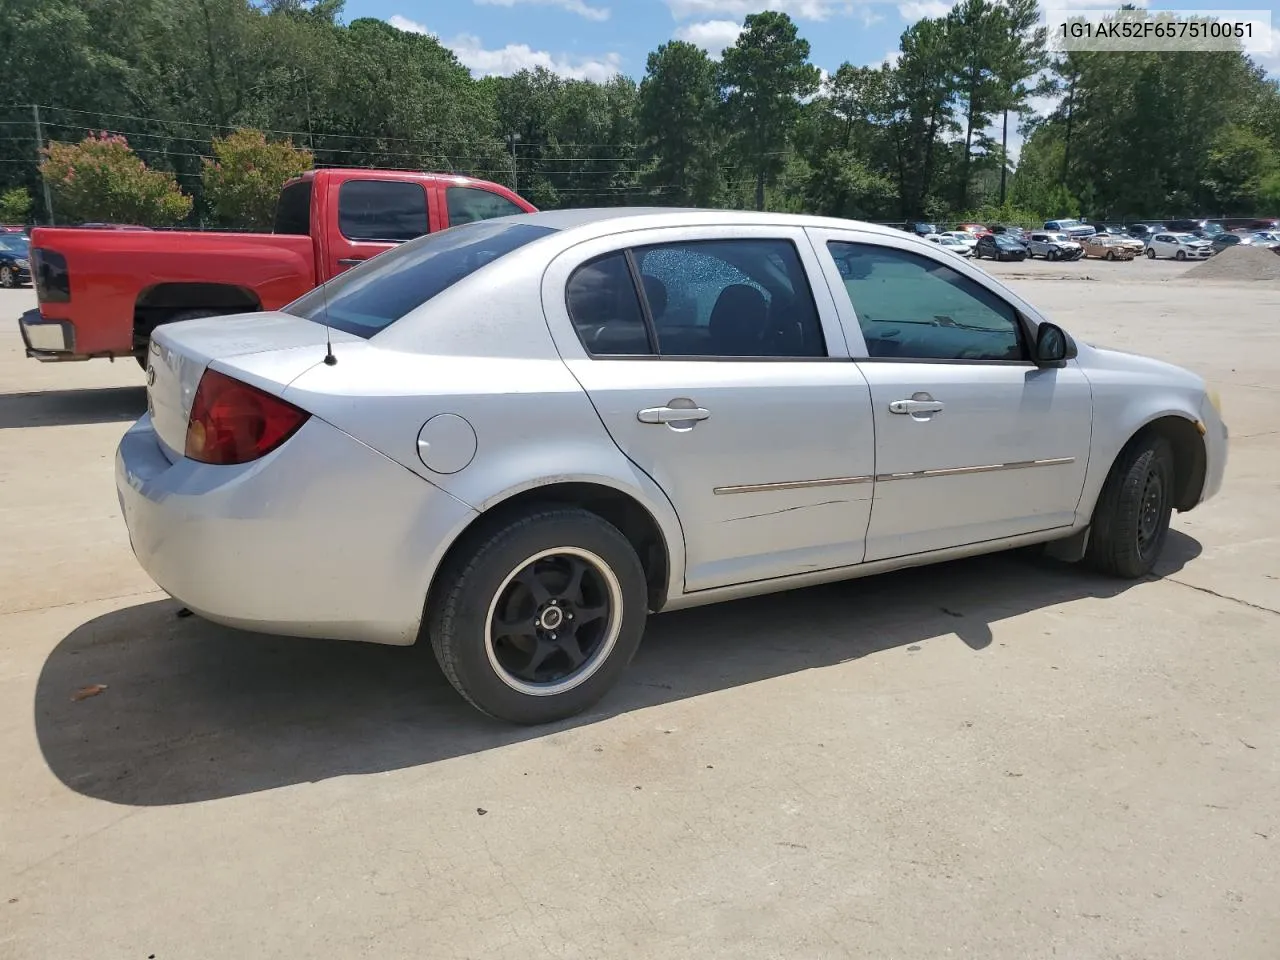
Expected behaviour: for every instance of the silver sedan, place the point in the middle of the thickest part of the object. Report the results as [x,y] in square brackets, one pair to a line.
[518,438]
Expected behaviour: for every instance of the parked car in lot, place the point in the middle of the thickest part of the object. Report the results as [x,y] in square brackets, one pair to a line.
[1053,246]
[954,244]
[1263,226]
[973,229]
[466,439]
[1201,228]
[922,229]
[102,292]
[999,247]
[1074,229]
[15,263]
[1259,239]
[1178,246]
[1145,231]
[1105,246]
[1016,232]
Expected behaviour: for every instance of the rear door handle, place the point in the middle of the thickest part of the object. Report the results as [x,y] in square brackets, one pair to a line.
[671,414]
[351,261]
[915,406]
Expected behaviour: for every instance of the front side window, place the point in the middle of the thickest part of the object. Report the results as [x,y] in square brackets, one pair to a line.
[388,211]
[369,298]
[730,298]
[468,204]
[911,308]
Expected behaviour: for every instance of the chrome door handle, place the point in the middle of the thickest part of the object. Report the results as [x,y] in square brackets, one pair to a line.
[915,406]
[671,414]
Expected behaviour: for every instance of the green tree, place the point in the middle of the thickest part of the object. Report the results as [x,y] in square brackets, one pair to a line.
[763,77]
[677,107]
[243,182]
[1020,58]
[100,178]
[15,204]
[923,86]
[1240,162]
[977,31]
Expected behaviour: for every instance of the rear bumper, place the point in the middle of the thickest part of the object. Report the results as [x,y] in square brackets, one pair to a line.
[47,339]
[323,537]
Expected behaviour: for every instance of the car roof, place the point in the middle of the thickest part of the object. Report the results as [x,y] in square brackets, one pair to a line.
[604,221]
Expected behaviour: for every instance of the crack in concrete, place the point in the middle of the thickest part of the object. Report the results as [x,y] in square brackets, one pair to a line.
[1223,596]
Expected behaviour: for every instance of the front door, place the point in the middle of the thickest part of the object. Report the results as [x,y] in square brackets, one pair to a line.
[719,373]
[974,442]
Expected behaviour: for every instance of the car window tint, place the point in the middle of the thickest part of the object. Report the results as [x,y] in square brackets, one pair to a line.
[293,211]
[911,307]
[372,296]
[468,204]
[605,309]
[385,210]
[730,298]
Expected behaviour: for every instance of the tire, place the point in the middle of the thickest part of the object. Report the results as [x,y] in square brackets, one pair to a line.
[1131,519]
[1111,255]
[498,581]
[1051,255]
[8,277]
[195,314]
[1151,254]
[1180,255]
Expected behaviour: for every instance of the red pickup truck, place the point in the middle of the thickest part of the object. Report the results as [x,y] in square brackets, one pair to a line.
[102,292]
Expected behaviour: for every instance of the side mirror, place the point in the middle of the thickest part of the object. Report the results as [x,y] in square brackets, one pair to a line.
[1053,346]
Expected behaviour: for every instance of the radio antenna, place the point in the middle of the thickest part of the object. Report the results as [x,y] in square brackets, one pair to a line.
[329,358]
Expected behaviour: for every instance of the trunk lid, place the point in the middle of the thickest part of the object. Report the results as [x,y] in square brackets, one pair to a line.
[267,350]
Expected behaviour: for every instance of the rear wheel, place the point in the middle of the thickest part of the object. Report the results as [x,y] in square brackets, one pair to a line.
[8,277]
[1151,254]
[1131,519]
[142,347]
[538,622]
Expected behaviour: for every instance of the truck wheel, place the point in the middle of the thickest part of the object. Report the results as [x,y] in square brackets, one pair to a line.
[1131,519]
[8,277]
[194,314]
[539,620]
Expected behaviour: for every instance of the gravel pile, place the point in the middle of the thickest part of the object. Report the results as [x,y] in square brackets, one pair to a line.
[1238,263]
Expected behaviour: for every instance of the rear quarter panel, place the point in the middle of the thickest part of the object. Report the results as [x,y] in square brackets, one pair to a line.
[109,269]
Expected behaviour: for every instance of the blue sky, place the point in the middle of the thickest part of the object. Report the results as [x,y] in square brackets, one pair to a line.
[595,39]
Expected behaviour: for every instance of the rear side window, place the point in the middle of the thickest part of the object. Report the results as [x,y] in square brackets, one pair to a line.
[374,295]
[605,310]
[293,212]
[382,210]
[468,204]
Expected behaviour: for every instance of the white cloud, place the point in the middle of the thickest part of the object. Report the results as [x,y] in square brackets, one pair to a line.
[514,57]
[1270,61]
[869,17]
[800,9]
[914,10]
[711,35]
[572,6]
[891,58]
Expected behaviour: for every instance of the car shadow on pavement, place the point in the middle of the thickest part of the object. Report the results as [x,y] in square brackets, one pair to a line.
[56,408]
[193,711]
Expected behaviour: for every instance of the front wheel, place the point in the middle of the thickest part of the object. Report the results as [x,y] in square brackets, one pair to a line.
[1180,255]
[8,277]
[1131,519]
[539,620]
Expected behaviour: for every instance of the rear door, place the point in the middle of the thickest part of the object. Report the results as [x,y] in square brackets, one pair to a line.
[370,215]
[719,368]
[974,442]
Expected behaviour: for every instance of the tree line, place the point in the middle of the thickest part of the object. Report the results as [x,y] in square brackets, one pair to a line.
[1134,134]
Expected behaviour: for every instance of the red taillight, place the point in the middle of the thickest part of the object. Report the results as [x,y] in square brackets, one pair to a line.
[232,422]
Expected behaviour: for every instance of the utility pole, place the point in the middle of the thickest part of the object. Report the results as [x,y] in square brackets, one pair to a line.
[512,140]
[48,203]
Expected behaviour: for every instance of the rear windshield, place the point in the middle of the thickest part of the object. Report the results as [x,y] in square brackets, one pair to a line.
[374,295]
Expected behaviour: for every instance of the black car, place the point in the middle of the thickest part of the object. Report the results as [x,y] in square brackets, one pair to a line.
[921,229]
[15,260]
[1201,228]
[1109,229]
[999,247]
[1001,230]
[1145,231]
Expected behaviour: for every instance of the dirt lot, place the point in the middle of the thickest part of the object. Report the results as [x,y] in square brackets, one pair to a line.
[994,759]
